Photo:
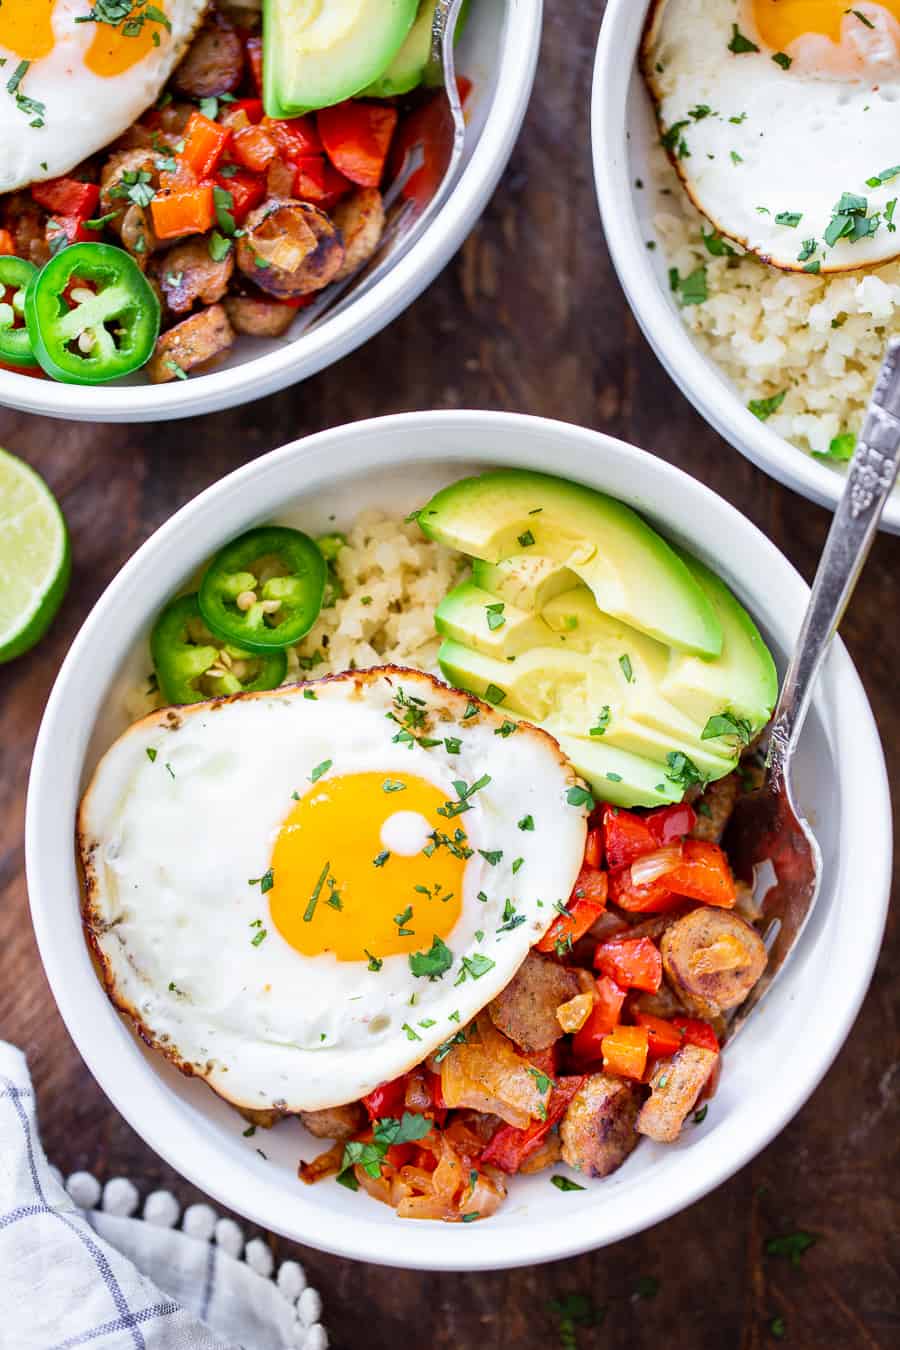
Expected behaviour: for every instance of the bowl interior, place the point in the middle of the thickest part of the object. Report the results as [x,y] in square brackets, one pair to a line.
[625,144]
[323,483]
[497,52]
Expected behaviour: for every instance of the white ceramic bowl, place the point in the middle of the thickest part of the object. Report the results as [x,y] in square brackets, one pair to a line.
[624,132]
[396,462]
[498,51]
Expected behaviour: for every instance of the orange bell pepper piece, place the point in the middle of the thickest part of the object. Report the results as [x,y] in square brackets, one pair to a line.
[625,1052]
[587,1043]
[204,144]
[357,136]
[189,212]
[7,243]
[664,1037]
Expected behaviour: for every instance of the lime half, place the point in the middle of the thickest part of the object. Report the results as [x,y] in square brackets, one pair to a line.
[34,557]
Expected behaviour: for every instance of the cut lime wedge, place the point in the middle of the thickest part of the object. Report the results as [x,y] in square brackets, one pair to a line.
[34,557]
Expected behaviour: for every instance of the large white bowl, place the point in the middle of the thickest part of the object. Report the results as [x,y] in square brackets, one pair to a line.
[770,1070]
[498,51]
[624,132]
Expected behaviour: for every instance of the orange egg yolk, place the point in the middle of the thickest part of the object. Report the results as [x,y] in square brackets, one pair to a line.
[26,30]
[781,22]
[337,887]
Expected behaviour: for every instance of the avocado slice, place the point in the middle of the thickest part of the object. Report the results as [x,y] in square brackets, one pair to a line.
[742,682]
[473,616]
[525,579]
[320,52]
[407,70]
[633,573]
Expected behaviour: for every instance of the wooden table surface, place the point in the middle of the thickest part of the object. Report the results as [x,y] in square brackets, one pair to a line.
[528,317]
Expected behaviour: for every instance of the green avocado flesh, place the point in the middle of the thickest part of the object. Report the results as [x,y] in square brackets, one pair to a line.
[407,70]
[527,634]
[632,572]
[320,52]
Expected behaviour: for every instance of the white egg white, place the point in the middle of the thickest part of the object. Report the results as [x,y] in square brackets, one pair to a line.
[169,840]
[81,112]
[767,148]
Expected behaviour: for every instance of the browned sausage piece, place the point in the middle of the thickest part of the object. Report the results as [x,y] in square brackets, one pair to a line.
[664,1003]
[114,187]
[675,1085]
[187,274]
[214,62]
[190,343]
[597,1131]
[137,235]
[712,959]
[525,1011]
[257,316]
[335,1122]
[360,219]
[25,221]
[714,808]
[289,248]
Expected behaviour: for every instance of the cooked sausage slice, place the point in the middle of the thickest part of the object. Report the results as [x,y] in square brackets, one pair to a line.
[335,1122]
[190,343]
[675,1085]
[712,959]
[25,221]
[289,248]
[113,172]
[664,1003]
[187,274]
[597,1131]
[137,235]
[214,62]
[714,808]
[525,1010]
[360,219]
[257,316]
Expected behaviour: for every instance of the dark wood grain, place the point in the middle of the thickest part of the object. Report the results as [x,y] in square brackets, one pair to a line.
[527,317]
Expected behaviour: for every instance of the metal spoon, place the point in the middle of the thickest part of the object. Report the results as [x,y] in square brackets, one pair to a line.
[767,837]
[406,223]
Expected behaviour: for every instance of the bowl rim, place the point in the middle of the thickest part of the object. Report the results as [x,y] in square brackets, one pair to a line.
[695,374]
[145,1100]
[336,338]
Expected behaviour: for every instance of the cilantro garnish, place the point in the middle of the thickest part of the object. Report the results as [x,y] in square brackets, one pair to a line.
[580,796]
[602,722]
[494,694]
[381,859]
[682,770]
[265,882]
[884,177]
[841,448]
[526,539]
[726,724]
[403,918]
[151,753]
[689,290]
[716,245]
[453,744]
[476,966]
[434,963]
[492,856]
[526,823]
[789,218]
[471,711]
[700,1116]
[625,663]
[564,1184]
[740,44]
[445,1047]
[494,614]
[674,142]
[390,785]
[505,730]
[369,1155]
[317,891]
[782,59]
[375,962]
[858,14]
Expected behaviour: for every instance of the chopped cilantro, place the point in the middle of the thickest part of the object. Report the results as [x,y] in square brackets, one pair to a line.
[317,891]
[320,769]
[495,617]
[526,540]
[580,796]
[789,218]
[602,722]
[492,856]
[782,59]
[625,663]
[382,858]
[494,694]
[682,770]
[564,1184]
[726,724]
[841,448]
[375,962]
[476,966]
[716,245]
[526,823]
[505,730]
[432,964]
[151,753]
[740,44]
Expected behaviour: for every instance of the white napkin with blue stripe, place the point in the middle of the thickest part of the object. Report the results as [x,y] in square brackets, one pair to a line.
[73,1276]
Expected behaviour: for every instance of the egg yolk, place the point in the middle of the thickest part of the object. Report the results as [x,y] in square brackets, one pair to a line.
[357,872]
[781,22]
[26,29]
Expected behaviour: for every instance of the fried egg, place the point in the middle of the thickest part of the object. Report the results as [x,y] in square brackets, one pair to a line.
[781,118]
[72,79]
[300,894]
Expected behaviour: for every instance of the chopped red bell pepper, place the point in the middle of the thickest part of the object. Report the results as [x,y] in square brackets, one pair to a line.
[252,107]
[587,902]
[317,181]
[67,197]
[697,1032]
[664,1037]
[634,963]
[253,148]
[357,136]
[655,897]
[626,837]
[705,874]
[593,849]
[253,48]
[387,1100]
[295,138]
[670,824]
[247,190]
[204,144]
[430,126]
[510,1147]
[71,228]
[587,1043]
[625,1051]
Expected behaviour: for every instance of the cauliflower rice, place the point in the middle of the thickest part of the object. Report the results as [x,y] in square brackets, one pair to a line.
[392,579]
[820,339]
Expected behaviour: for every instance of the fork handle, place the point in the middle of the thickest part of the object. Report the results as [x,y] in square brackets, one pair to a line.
[872,473]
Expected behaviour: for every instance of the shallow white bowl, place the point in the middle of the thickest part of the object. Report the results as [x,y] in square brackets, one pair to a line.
[397,462]
[498,51]
[624,131]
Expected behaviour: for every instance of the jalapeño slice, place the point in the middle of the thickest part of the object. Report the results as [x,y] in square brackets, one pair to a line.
[192,665]
[264,590]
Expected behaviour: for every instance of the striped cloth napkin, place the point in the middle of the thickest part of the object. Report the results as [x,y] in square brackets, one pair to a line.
[73,1274]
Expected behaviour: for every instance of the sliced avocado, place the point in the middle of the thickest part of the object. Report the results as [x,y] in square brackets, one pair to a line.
[317,54]
[618,777]
[743,681]
[525,579]
[634,574]
[407,70]
[475,617]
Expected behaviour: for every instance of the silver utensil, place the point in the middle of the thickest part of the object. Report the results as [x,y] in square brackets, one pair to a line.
[768,841]
[408,213]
